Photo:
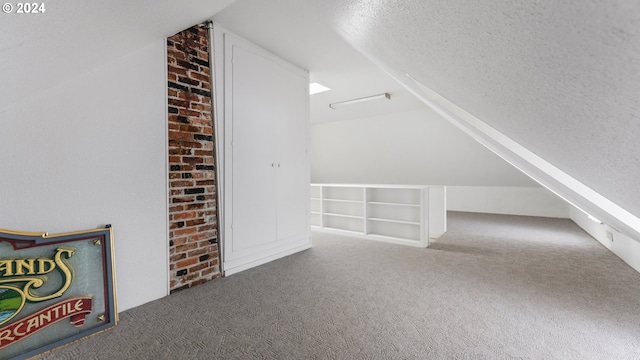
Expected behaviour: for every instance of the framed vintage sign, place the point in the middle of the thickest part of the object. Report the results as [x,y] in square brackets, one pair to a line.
[54,289]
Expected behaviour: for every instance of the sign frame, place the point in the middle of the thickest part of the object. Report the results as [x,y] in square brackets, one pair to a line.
[103,237]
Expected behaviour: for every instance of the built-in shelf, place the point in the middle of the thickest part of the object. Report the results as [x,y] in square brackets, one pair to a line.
[394,221]
[344,215]
[391,239]
[400,214]
[392,204]
[345,201]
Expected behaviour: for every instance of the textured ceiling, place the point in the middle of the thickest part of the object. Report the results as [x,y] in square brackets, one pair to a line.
[38,51]
[562,78]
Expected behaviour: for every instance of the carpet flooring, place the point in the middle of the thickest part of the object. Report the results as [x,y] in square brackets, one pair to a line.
[493,287]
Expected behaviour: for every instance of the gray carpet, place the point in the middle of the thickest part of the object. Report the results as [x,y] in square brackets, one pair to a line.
[494,287]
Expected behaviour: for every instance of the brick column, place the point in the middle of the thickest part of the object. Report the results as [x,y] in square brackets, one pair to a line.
[193,218]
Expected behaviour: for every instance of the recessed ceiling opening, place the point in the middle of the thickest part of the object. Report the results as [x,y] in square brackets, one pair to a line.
[316,88]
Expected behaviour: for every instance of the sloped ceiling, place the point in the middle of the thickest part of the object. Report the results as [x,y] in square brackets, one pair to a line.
[38,51]
[294,31]
[561,78]
[291,30]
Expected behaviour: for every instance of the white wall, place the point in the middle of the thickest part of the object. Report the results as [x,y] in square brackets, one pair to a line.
[92,151]
[420,147]
[511,200]
[415,147]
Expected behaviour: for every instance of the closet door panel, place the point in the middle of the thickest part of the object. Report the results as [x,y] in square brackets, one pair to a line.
[266,161]
[253,160]
[291,149]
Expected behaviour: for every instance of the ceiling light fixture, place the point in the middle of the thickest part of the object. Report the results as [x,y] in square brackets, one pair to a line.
[354,101]
[315,88]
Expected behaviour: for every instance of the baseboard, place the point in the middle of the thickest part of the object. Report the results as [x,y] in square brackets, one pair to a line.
[506,200]
[623,246]
[381,238]
[248,265]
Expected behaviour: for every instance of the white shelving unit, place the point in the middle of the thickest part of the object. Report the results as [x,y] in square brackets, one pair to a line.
[400,214]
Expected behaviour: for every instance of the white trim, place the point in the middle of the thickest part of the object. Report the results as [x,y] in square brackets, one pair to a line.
[166,169]
[219,138]
[245,266]
[375,237]
[622,246]
[217,68]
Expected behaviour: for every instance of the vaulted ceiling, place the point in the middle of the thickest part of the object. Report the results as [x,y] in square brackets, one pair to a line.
[552,87]
[561,78]
[558,80]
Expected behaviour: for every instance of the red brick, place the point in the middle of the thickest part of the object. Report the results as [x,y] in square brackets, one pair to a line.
[179,241]
[181,183]
[198,267]
[184,215]
[196,253]
[187,262]
[179,135]
[186,231]
[192,160]
[190,128]
[176,70]
[195,222]
[207,227]
[177,55]
[191,240]
[177,257]
[198,236]
[176,208]
[201,77]
[187,112]
[186,247]
[194,206]
[199,282]
[205,182]
[178,103]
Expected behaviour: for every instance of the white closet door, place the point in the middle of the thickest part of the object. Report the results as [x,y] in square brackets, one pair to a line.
[253,154]
[291,150]
[266,162]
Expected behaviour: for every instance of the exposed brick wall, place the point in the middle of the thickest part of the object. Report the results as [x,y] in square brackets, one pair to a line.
[193,247]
